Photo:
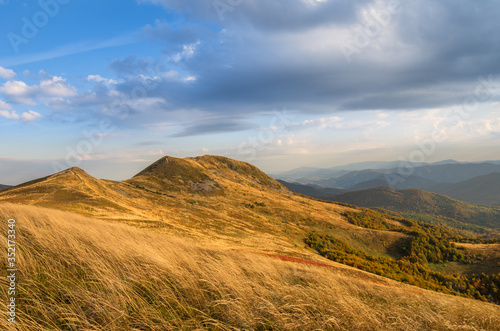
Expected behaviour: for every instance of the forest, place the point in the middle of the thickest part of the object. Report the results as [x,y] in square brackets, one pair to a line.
[426,243]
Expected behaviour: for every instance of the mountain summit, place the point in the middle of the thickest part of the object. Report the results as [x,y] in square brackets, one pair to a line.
[202,174]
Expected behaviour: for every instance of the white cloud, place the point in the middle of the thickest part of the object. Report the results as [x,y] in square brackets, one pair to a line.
[11,115]
[316,123]
[56,86]
[52,91]
[321,123]
[187,52]
[58,103]
[30,116]
[5,111]
[19,91]
[170,76]
[4,105]
[106,135]
[6,73]
[27,116]
[100,79]
[360,125]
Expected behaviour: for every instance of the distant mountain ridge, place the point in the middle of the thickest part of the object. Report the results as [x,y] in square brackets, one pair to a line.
[482,189]
[417,201]
[422,175]
[3,187]
[337,171]
[311,190]
[462,181]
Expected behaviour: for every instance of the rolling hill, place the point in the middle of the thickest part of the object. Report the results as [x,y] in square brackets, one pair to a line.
[454,173]
[211,236]
[3,187]
[310,190]
[482,189]
[415,201]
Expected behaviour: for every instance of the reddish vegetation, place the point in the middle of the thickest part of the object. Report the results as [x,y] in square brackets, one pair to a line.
[298,260]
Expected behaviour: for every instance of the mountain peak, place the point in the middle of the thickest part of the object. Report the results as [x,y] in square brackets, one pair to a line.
[201,174]
[65,175]
[168,168]
[226,166]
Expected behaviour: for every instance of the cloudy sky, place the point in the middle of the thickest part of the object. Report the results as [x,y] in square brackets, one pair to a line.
[110,86]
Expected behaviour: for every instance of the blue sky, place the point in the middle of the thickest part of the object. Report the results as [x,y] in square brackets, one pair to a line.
[111,86]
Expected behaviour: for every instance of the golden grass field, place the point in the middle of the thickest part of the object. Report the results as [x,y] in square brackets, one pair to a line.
[78,273]
[163,200]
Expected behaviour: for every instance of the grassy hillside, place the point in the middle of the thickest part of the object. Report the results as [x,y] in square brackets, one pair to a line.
[218,201]
[85,274]
[207,198]
[415,201]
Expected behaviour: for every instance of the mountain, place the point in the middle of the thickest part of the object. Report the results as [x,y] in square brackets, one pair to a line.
[208,198]
[383,181]
[309,174]
[401,176]
[200,174]
[370,178]
[454,173]
[449,161]
[75,190]
[187,242]
[481,189]
[311,190]
[417,177]
[3,187]
[203,197]
[415,201]
[297,173]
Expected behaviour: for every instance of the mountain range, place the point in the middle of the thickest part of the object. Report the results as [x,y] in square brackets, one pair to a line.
[482,189]
[459,171]
[470,182]
[188,242]
[415,201]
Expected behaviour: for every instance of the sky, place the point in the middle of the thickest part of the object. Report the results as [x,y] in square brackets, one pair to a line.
[111,86]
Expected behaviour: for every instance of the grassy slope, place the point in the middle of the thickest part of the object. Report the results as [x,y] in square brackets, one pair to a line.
[85,274]
[237,205]
[489,265]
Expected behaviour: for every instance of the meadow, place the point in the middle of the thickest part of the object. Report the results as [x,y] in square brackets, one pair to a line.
[78,273]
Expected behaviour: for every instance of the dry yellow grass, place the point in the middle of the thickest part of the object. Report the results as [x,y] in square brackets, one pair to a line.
[229,215]
[83,274]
